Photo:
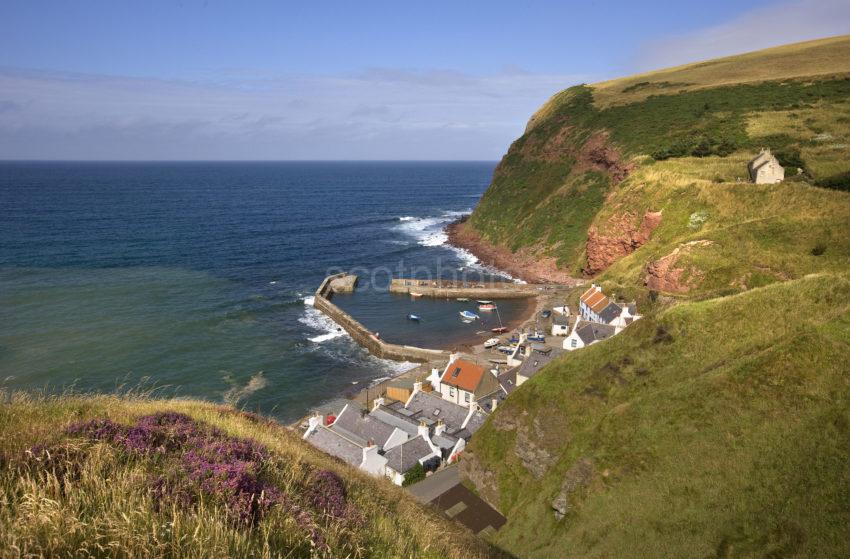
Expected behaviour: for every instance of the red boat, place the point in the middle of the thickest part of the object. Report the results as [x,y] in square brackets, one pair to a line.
[499,330]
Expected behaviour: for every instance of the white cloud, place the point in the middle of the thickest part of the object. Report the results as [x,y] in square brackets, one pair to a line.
[377,114]
[783,23]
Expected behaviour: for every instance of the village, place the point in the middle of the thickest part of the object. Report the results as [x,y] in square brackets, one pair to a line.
[412,429]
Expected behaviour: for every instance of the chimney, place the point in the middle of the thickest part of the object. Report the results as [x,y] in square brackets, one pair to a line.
[417,387]
[493,403]
[423,429]
[370,450]
[378,402]
[440,428]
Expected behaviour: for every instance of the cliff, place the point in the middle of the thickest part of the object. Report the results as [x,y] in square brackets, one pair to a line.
[609,178]
[718,425]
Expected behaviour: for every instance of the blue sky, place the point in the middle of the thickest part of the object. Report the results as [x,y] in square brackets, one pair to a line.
[338,80]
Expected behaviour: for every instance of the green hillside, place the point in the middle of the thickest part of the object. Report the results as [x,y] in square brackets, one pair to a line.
[110,477]
[596,158]
[715,428]
[718,425]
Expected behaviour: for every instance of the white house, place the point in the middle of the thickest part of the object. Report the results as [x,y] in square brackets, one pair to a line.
[594,306]
[586,333]
[464,382]
[560,325]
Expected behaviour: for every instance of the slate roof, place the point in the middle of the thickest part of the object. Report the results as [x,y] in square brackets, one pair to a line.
[336,445]
[361,428]
[561,320]
[444,441]
[393,418]
[404,456]
[590,332]
[610,312]
[507,381]
[537,361]
[427,405]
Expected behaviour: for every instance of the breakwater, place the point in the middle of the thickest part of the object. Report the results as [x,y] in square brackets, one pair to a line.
[361,334]
[442,289]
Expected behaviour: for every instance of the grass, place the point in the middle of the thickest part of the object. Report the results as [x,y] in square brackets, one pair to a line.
[190,479]
[685,142]
[810,58]
[715,428]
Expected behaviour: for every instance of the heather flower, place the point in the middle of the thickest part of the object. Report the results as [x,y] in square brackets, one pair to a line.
[96,429]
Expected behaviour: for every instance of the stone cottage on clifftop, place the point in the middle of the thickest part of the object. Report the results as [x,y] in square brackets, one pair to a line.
[765,169]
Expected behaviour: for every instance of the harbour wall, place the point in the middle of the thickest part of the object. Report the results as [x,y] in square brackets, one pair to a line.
[362,335]
[454,289]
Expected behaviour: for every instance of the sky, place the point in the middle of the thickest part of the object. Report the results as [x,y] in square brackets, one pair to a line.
[322,80]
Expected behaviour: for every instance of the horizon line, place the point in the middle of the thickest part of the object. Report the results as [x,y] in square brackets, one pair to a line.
[248,160]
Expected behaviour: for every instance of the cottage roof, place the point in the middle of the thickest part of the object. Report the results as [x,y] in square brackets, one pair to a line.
[361,427]
[463,374]
[444,441]
[427,405]
[610,312]
[537,361]
[337,445]
[561,320]
[392,418]
[404,456]
[507,381]
[595,299]
[590,291]
[590,332]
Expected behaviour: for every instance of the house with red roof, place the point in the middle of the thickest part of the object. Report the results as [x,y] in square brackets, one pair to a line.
[465,382]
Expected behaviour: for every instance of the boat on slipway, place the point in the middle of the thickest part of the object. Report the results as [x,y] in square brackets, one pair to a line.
[492,342]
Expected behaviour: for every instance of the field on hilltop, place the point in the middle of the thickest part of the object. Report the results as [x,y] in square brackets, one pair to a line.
[134,477]
[595,160]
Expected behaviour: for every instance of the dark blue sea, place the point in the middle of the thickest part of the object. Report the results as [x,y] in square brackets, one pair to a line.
[196,278]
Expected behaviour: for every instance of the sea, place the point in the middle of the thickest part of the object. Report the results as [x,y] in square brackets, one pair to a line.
[196,279]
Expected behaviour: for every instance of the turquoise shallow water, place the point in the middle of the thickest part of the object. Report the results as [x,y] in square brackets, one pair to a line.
[196,277]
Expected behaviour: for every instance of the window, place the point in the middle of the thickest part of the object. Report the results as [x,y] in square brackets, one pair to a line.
[573,343]
[451,391]
[466,397]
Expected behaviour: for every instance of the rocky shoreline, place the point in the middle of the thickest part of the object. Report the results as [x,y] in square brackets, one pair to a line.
[523,264]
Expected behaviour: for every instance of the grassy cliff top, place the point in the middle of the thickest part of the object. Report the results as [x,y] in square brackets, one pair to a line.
[713,428]
[135,477]
[595,160]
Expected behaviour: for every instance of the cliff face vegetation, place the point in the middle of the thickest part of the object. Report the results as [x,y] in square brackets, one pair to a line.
[634,168]
[719,424]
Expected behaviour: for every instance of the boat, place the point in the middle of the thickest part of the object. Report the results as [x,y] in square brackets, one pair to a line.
[546,314]
[469,315]
[514,340]
[415,294]
[414,317]
[484,302]
[492,342]
[487,307]
[463,299]
[506,349]
[499,330]
[537,337]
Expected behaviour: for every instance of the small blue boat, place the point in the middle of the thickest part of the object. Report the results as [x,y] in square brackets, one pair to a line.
[537,338]
[468,315]
[546,314]
[414,317]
